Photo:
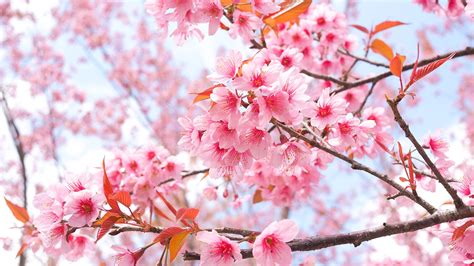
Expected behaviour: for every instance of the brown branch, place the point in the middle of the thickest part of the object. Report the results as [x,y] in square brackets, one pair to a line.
[359,110]
[16,138]
[348,85]
[362,59]
[465,52]
[358,166]
[404,126]
[358,237]
[185,175]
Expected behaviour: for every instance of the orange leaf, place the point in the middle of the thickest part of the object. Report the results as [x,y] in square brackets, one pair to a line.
[105,227]
[396,65]
[206,94]
[122,197]
[167,233]
[459,232]
[187,213]
[20,213]
[226,3]
[382,48]
[176,243]
[167,203]
[108,190]
[245,8]
[386,25]
[361,28]
[21,250]
[422,72]
[106,216]
[257,196]
[289,10]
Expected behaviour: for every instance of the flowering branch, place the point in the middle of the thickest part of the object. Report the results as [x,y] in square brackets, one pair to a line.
[356,238]
[348,85]
[358,166]
[404,126]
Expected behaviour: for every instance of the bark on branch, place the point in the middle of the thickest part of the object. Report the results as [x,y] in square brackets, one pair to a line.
[356,238]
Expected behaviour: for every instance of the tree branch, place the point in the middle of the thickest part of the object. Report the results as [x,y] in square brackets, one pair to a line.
[348,85]
[404,126]
[356,238]
[358,166]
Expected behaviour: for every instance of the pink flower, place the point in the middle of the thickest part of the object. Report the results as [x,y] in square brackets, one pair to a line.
[84,207]
[255,140]
[226,67]
[125,257]
[265,7]
[210,193]
[218,250]
[79,246]
[211,10]
[243,26]
[437,145]
[328,109]
[255,76]
[226,106]
[270,246]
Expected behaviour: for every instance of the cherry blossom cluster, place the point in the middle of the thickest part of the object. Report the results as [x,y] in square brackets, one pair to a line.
[77,202]
[189,14]
[239,129]
[141,172]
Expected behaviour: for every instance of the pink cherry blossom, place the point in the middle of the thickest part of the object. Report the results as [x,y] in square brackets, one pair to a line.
[265,7]
[327,110]
[83,207]
[226,106]
[125,257]
[226,67]
[270,246]
[437,146]
[218,250]
[243,25]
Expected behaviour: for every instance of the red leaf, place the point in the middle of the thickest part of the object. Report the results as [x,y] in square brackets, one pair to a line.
[361,28]
[168,233]
[386,25]
[459,232]
[204,95]
[122,197]
[108,190]
[382,48]
[21,250]
[20,213]
[422,72]
[106,216]
[403,179]
[105,227]
[289,10]
[411,173]
[168,204]
[396,65]
[187,213]
[162,214]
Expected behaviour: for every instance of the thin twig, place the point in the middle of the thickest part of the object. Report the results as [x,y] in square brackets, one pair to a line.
[357,166]
[404,126]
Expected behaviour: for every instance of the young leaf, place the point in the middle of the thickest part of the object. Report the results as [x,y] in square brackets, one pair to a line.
[396,65]
[257,196]
[380,47]
[176,243]
[361,28]
[459,232]
[20,213]
[162,214]
[204,95]
[105,227]
[122,197]
[167,203]
[187,213]
[21,250]
[386,25]
[106,216]
[168,233]
[290,10]
[422,72]
[108,190]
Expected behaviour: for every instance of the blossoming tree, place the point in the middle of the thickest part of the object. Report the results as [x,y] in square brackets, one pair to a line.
[234,169]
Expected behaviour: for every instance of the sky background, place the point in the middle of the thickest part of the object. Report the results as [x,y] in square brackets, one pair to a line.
[436,111]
